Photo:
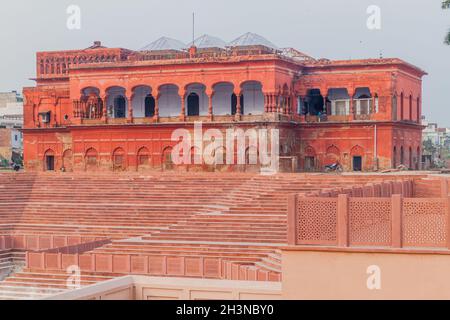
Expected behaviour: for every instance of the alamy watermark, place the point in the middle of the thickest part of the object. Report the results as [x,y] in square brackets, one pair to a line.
[237,147]
[374,280]
[374,19]
[74,17]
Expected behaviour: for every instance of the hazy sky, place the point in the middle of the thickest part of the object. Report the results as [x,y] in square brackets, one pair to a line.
[336,29]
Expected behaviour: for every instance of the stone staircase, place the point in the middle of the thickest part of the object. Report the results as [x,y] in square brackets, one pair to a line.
[238,218]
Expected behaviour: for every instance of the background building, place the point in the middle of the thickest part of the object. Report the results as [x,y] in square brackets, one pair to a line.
[11,121]
[102,109]
[436,145]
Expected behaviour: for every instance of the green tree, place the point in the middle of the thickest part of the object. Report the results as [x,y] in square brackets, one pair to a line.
[429,147]
[446,5]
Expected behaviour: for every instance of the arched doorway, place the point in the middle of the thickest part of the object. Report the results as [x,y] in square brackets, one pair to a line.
[143,159]
[119,160]
[68,160]
[49,160]
[193,104]
[166,161]
[310,159]
[91,159]
[410,165]
[357,154]
[394,158]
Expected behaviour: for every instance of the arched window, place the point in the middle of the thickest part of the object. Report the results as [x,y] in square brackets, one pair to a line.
[402,100]
[193,104]
[394,107]
[410,165]
[402,155]
[410,107]
[394,158]
[418,110]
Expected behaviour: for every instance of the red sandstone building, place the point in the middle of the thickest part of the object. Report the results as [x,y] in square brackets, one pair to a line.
[101,109]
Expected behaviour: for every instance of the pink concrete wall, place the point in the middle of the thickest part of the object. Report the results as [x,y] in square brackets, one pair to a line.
[343,274]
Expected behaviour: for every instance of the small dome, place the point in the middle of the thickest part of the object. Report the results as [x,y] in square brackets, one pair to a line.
[163,44]
[207,41]
[251,39]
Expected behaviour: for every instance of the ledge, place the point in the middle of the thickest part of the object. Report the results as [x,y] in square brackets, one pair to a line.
[435,251]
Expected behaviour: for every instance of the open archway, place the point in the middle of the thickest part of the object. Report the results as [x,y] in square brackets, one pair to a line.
[222,99]
[253,98]
[169,102]
[143,102]
[116,102]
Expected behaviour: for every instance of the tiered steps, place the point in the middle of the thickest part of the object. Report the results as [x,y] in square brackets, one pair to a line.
[239,218]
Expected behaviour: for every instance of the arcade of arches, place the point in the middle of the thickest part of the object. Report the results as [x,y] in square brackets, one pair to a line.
[169,101]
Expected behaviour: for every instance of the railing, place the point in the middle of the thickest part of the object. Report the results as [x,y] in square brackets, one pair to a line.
[167,265]
[345,221]
[379,189]
[88,109]
[41,242]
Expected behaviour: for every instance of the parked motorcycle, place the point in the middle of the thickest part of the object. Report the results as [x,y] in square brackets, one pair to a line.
[335,167]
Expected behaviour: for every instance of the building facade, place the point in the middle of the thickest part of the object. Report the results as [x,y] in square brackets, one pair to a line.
[11,121]
[102,109]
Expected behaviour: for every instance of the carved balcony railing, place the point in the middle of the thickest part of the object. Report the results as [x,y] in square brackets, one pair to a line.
[92,109]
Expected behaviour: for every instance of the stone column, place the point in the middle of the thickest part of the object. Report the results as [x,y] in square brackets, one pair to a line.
[130,108]
[266,105]
[210,106]
[105,107]
[238,106]
[352,107]
[183,107]
[156,116]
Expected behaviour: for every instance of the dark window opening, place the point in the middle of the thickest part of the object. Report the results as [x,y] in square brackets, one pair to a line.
[50,163]
[149,106]
[314,103]
[357,163]
[193,105]
[310,163]
[120,107]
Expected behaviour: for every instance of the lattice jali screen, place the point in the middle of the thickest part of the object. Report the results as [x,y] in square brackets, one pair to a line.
[424,222]
[370,222]
[317,221]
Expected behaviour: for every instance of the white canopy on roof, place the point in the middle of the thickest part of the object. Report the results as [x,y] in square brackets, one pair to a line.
[207,41]
[165,43]
[251,39]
